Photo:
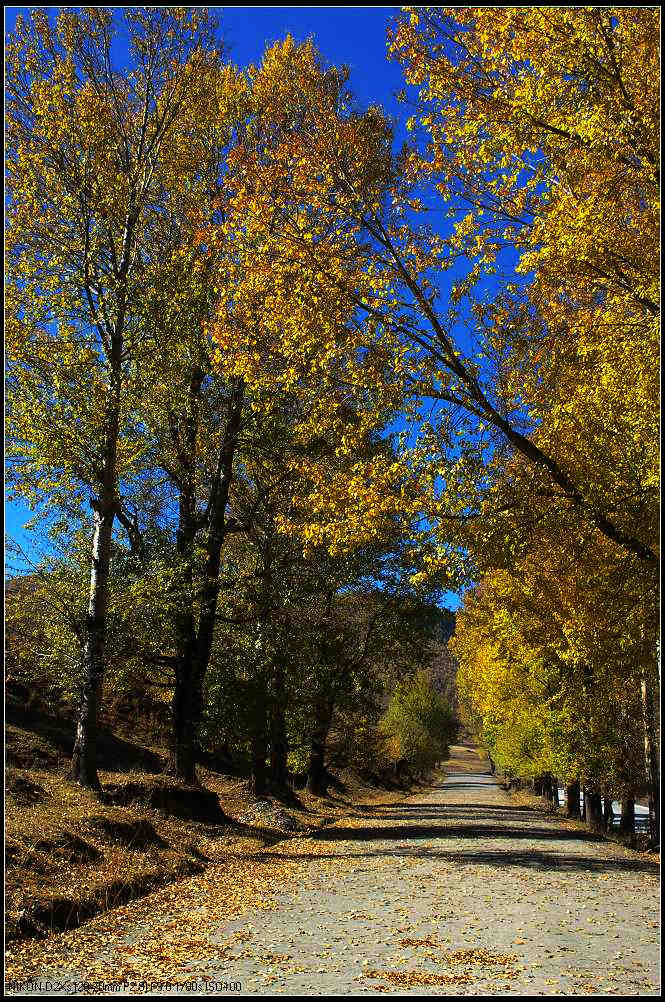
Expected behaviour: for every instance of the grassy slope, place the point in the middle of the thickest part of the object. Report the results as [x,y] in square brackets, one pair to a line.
[70,855]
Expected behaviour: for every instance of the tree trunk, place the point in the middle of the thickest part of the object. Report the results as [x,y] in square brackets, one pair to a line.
[573,799]
[627,822]
[594,811]
[538,786]
[84,757]
[187,704]
[651,758]
[195,645]
[258,723]
[183,746]
[257,783]
[548,789]
[185,707]
[317,780]
[184,712]
[316,772]
[279,773]
[105,507]
[608,811]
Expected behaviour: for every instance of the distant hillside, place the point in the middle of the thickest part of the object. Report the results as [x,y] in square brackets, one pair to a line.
[447,626]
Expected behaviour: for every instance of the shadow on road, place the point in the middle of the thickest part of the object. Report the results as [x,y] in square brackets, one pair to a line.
[481,814]
[475,823]
[456,785]
[396,833]
[532,858]
[442,810]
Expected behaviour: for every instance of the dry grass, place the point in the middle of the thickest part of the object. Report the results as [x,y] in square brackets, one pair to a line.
[70,856]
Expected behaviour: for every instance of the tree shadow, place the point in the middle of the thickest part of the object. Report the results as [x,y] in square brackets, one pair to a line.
[535,859]
[481,815]
[399,833]
[443,810]
[460,783]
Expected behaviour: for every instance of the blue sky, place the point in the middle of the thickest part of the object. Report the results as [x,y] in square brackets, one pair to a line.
[355,36]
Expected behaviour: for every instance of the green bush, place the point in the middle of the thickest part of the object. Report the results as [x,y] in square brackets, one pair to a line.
[418,724]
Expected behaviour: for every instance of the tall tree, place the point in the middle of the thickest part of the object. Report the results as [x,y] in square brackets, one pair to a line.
[96,154]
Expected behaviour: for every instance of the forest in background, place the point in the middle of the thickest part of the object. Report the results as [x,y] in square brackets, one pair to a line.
[274,386]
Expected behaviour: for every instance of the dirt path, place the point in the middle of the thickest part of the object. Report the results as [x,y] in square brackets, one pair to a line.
[456,891]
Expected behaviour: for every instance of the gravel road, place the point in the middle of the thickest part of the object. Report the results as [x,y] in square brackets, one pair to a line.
[454,891]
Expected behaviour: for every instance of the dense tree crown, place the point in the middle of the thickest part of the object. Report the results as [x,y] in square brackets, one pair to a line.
[272,377]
